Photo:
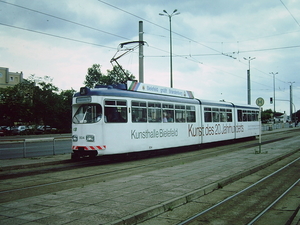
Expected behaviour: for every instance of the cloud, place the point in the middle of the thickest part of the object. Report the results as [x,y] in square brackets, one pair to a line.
[210,41]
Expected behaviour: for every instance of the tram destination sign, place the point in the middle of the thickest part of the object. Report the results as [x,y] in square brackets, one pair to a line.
[154,89]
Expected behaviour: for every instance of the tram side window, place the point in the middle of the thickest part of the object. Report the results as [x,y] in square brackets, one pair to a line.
[154,112]
[249,116]
[223,115]
[168,113]
[229,115]
[215,115]
[191,113]
[207,114]
[139,112]
[245,115]
[115,111]
[256,113]
[240,115]
[180,114]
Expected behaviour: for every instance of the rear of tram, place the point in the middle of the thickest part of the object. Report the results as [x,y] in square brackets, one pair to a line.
[87,124]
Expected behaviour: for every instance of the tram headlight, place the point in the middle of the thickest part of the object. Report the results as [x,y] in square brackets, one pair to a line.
[74,138]
[90,138]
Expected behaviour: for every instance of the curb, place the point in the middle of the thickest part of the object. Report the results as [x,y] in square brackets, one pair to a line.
[34,165]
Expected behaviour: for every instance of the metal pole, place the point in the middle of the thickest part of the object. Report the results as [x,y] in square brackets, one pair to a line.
[274,95]
[249,86]
[248,80]
[24,148]
[274,102]
[291,101]
[165,13]
[141,53]
[171,69]
[53,146]
[259,151]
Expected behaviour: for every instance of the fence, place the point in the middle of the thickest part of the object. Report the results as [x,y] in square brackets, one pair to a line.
[269,127]
[34,147]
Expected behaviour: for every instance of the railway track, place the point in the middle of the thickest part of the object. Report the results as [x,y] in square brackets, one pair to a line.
[254,202]
[45,179]
[30,170]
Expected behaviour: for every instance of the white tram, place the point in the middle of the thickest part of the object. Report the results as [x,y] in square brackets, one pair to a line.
[141,117]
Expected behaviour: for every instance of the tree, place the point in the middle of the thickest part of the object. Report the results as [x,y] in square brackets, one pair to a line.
[266,115]
[16,103]
[36,102]
[115,76]
[65,110]
[119,76]
[94,76]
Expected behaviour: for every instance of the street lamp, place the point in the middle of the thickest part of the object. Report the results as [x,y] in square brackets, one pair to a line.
[174,13]
[274,92]
[248,80]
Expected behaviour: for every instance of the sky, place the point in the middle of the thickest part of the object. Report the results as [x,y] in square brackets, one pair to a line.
[212,42]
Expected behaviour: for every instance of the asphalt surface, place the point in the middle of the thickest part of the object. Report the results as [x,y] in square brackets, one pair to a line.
[132,199]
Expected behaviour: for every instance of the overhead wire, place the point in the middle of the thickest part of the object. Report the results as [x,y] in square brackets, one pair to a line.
[63,19]
[290,13]
[191,40]
[188,57]
[57,36]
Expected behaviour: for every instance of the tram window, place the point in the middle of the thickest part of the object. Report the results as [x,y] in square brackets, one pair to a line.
[191,113]
[215,115]
[256,115]
[116,111]
[249,115]
[90,113]
[154,112]
[110,102]
[245,116]
[240,115]
[168,113]
[139,112]
[252,116]
[223,115]
[229,115]
[180,113]
[207,114]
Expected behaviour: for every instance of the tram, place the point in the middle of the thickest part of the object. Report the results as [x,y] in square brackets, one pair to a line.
[136,117]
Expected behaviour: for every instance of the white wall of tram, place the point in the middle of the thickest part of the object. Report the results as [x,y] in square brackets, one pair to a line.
[138,134]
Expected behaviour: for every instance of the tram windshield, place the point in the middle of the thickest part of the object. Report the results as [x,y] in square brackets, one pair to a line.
[91,113]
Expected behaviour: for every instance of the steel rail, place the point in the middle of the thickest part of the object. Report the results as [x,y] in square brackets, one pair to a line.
[115,171]
[273,203]
[236,194]
[198,153]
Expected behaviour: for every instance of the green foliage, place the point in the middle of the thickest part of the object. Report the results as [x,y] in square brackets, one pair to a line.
[36,104]
[115,76]
[36,101]
[268,115]
[94,76]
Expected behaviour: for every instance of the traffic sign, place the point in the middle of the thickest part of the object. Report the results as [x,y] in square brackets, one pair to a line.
[260,102]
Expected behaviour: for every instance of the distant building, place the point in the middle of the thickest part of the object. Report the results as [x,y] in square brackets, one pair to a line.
[9,79]
[282,119]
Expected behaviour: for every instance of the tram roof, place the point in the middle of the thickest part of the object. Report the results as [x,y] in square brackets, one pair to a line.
[115,92]
[121,91]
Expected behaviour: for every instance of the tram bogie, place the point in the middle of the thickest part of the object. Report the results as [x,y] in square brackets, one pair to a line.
[112,120]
